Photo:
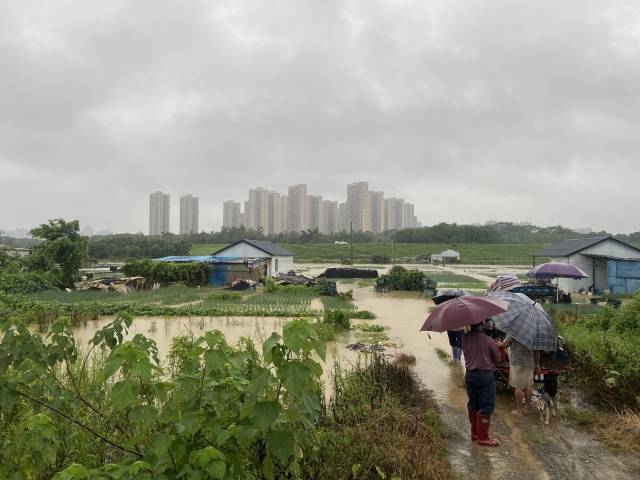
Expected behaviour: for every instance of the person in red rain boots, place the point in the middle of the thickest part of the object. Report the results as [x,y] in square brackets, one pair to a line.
[479,350]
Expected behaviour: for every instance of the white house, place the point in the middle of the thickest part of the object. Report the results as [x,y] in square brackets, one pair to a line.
[610,263]
[448,256]
[279,260]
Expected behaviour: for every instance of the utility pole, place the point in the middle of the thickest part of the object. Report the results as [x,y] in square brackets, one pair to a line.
[351,240]
[393,257]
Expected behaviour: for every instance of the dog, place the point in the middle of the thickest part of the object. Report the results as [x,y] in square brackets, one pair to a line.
[545,405]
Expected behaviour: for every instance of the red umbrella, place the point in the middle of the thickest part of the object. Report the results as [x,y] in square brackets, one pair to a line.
[462,311]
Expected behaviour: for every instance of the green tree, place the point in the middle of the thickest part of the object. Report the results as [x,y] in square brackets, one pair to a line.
[63,251]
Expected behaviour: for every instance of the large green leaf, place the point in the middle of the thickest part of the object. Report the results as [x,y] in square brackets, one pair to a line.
[281,444]
[144,415]
[124,394]
[296,334]
[264,414]
[268,345]
[294,375]
[259,382]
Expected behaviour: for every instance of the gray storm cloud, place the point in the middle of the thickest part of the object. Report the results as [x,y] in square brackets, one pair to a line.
[494,109]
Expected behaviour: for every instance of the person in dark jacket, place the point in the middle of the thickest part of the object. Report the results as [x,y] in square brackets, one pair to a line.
[480,351]
[455,341]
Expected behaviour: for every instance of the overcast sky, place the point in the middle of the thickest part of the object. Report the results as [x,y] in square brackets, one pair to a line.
[473,110]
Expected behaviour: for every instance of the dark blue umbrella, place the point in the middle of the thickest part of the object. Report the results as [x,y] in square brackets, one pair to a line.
[448,295]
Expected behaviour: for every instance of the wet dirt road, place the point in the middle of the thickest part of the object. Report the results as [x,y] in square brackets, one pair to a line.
[529,450]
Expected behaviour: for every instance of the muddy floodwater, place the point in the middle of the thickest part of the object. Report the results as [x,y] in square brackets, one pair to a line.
[529,449]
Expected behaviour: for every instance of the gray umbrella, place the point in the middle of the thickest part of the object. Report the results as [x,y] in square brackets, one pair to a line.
[526,321]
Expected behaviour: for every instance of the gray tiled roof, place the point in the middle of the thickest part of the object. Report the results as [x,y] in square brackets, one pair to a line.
[569,247]
[267,247]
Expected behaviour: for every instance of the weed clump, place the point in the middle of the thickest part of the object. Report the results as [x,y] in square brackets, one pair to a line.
[382,423]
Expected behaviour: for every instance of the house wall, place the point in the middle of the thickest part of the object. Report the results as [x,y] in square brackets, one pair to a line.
[242,250]
[611,248]
[571,285]
[285,263]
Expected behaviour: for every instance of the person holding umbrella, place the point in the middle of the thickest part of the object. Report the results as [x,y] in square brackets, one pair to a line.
[529,329]
[455,336]
[521,370]
[479,351]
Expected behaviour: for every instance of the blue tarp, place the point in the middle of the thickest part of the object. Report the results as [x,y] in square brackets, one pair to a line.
[623,276]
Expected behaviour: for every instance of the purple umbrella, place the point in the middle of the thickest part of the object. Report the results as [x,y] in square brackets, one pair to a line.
[556,270]
[461,311]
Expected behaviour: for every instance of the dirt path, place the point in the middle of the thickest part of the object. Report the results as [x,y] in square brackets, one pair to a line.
[529,450]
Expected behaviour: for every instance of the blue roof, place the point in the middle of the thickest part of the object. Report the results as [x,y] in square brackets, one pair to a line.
[205,259]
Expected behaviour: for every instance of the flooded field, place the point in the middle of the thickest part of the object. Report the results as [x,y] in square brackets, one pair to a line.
[529,449]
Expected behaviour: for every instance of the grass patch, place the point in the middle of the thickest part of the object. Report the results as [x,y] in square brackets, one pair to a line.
[381,423]
[369,327]
[471,253]
[579,417]
[442,354]
[619,431]
[340,302]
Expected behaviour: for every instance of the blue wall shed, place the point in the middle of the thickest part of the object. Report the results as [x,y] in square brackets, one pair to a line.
[623,276]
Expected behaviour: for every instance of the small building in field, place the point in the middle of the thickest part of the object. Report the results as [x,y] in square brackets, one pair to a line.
[612,265]
[279,260]
[448,256]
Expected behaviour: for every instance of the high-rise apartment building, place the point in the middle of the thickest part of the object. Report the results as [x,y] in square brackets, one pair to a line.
[408,217]
[159,209]
[257,213]
[358,206]
[189,206]
[329,221]
[393,213]
[274,214]
[297,208]
[231,215]
[343,217]
[314,211]
[283,207]
[376,212]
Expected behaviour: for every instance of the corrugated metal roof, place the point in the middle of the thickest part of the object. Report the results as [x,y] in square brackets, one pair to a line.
[267,247]
[566,248]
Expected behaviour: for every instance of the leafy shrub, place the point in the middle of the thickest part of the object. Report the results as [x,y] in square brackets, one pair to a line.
[399,278]
[383,259]
[337,318]
[603,344]
[191,274]
[222,412]
[26,282]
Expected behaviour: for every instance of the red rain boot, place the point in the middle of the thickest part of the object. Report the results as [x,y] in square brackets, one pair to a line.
[484,422]
[473,420]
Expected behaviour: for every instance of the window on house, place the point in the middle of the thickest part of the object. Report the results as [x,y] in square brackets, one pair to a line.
[276,269]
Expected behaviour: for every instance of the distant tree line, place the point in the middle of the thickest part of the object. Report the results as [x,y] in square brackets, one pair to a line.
[125,246]
[452,233]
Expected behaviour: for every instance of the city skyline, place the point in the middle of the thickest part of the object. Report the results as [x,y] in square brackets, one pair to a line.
[363,210]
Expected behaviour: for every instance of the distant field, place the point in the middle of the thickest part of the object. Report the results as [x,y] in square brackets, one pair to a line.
[471,253]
